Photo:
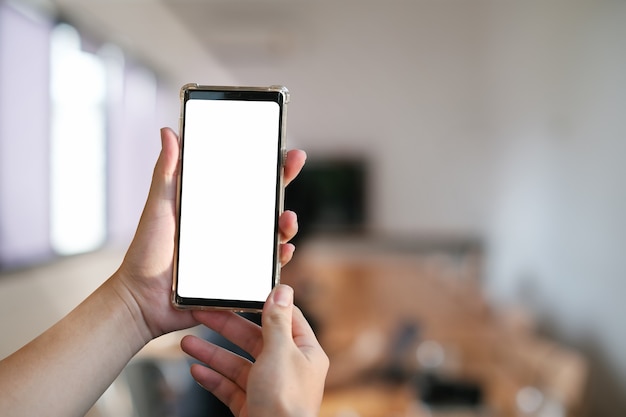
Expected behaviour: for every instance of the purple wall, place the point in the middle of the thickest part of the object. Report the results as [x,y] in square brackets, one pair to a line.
[134,112]
[24,127]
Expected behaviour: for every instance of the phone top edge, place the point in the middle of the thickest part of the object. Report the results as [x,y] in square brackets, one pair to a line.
[186,87]
[284,91]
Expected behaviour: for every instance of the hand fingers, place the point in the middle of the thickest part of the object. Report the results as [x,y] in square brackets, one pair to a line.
[286,253]
[223,388]
[237,329]
[162,196]
[293,164]
[170,149]
[225,362]
[304,338]
[277,315]
[288,225]
[165,170]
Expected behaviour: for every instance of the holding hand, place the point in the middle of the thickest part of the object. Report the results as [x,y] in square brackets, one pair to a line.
[144,279]
[70,365]
[287,377]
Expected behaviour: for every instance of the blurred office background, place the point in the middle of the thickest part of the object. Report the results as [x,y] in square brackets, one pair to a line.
[462,209]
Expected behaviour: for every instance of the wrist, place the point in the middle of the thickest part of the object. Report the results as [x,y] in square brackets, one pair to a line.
[130,310]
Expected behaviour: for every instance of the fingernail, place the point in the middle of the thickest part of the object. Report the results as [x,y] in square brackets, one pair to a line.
[162,133]
[283,295]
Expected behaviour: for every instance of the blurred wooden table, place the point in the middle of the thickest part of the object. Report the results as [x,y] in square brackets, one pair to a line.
[384,400]
[371,400]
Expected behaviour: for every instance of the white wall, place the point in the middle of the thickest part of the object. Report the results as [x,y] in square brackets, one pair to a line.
[31,300]
[505,119]
[557,110]
[397,82]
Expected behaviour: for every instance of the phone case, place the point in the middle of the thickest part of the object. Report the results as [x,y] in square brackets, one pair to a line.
[284,92]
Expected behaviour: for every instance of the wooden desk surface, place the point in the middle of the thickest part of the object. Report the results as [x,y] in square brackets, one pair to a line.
[370,400]
[384,400]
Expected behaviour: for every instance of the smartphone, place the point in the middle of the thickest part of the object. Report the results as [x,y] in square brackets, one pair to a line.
[230,196]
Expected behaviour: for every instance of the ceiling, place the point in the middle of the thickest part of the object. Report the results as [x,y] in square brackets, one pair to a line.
[361,72]
[241,32]
[244,42]
[183,38]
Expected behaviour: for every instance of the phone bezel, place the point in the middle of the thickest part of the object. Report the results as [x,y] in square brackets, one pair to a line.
[278,94]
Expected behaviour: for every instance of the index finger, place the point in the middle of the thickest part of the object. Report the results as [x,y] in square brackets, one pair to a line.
[303,335]
[293,164]
[239,330]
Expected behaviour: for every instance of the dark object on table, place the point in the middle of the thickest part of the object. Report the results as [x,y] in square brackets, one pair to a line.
[438,391]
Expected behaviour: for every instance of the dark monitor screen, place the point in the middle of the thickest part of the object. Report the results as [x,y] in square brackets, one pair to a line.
[329,196]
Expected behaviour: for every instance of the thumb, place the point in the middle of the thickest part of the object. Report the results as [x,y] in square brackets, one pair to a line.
[167,164]
[164,176]
[277,318]
[158,214]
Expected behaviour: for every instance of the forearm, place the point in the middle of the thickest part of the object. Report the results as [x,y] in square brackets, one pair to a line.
[66,369]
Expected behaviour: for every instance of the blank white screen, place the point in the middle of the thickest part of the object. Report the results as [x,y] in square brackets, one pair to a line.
[228,200]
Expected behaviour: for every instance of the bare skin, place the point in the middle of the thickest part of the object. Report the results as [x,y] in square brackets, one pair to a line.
[64,371]
[287,377]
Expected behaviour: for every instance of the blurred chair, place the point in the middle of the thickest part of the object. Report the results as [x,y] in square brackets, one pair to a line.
[150,393]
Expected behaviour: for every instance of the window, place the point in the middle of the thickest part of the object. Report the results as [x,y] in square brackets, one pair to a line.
[77,145]
[78,139]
